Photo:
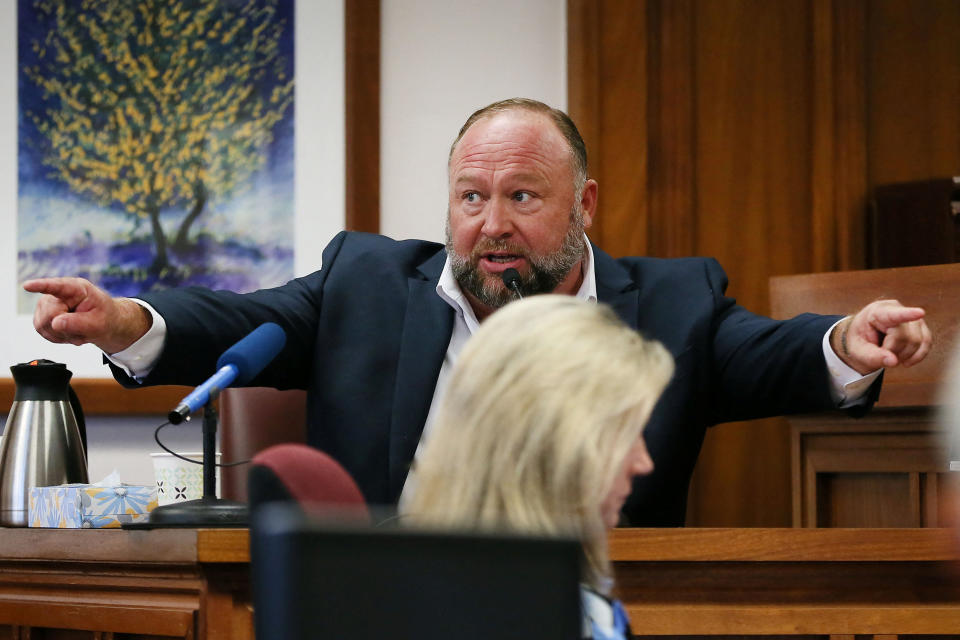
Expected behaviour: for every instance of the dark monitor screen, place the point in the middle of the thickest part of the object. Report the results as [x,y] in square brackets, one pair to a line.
[314,580]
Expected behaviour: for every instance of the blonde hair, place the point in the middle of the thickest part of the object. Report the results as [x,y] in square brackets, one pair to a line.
[545,402]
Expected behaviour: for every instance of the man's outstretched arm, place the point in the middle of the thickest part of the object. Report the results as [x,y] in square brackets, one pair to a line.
[74,311]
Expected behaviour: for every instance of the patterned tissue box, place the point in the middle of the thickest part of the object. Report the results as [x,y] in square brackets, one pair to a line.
[83,506]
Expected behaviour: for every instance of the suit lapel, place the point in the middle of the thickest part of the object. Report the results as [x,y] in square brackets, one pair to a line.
[616,288]
[427,326]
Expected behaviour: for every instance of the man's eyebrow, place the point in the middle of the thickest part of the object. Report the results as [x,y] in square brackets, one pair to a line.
[525,177]
[465,177]
[529,177]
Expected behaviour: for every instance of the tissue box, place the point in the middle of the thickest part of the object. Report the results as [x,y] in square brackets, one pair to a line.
[76,506]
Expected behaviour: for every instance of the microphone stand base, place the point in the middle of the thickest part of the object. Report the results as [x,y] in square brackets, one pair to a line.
[197,514]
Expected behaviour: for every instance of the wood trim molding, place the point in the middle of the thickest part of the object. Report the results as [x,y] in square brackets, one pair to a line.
[783,545]
[362,116]
[103,396]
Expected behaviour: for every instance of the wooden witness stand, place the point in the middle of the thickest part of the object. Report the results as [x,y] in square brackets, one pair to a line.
[60,584]
[889,468]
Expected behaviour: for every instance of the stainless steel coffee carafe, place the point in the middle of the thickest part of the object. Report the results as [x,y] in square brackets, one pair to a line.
[44,441]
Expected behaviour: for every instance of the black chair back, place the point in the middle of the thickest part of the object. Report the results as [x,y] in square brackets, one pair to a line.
[313,580]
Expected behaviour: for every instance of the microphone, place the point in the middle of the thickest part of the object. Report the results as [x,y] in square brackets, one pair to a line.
[239,364]
[511,280]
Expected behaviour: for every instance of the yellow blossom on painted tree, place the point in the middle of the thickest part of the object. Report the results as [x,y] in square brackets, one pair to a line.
[159,104]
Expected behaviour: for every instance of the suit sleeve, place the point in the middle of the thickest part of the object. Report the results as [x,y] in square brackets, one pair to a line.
[202,324]
[765,367]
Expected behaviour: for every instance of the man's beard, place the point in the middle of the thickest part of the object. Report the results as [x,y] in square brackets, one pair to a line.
[546,271]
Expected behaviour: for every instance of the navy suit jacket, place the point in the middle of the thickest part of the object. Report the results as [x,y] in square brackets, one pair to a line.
[367,334]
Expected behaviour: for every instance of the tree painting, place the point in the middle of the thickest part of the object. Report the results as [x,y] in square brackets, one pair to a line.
[156,141]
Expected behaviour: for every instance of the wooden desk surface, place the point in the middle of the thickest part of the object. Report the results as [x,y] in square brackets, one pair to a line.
[169,546]
[784,545]
[753,582]
[190,546]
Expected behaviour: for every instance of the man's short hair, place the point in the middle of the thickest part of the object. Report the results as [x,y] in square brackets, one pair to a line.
[578,150]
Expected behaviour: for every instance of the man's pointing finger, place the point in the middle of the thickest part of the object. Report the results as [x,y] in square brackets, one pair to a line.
[886,317]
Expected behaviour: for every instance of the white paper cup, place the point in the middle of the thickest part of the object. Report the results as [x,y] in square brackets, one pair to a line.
[179,480]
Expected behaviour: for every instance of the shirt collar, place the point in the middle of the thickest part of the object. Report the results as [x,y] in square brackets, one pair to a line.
[449,289]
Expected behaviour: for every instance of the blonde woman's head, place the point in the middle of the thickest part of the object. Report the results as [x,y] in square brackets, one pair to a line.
[541,423]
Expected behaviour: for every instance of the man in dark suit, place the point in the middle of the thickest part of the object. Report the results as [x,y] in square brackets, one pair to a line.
[374,333]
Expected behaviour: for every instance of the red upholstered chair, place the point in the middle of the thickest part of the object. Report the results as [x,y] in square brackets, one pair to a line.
[315,481]
[251,420]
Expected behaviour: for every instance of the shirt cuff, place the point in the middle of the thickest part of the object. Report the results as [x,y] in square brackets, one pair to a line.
[139,358]
[848,387]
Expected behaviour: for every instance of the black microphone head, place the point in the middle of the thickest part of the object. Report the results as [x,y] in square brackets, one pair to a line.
[511,279]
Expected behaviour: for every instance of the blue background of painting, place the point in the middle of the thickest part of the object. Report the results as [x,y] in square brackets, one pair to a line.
[245,244]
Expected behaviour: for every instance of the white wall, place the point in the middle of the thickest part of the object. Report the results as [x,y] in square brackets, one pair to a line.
[441,60]
[319,174]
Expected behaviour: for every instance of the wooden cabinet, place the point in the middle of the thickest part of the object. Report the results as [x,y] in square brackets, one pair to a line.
[109,584]
[890,468]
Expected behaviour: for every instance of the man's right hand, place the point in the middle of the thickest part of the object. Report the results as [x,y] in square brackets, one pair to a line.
[75,311]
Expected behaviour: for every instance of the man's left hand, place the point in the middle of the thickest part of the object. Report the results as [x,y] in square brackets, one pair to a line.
[882,334]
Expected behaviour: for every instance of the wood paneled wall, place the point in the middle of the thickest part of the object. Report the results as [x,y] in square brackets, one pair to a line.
[753,131]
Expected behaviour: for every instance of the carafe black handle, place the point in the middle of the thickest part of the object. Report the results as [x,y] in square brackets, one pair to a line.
[81,423]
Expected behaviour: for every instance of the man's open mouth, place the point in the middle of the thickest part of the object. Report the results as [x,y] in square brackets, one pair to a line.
[502,257]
